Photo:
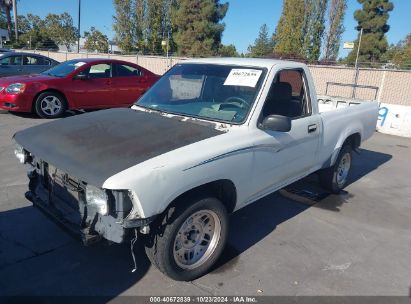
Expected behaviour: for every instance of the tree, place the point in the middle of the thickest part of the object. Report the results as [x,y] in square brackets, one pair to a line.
[5,8]
[60,29]
[34,33]
[155,22]
[24,24]
[140,24]
[313,29]
[262,45]
[288,34]
[400,54]
[124,25]
[372,18]
[228,51]
[335,29]
[96,41]
[402,58]
[196,26]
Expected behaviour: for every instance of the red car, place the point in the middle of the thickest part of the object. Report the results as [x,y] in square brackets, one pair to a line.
[76,84]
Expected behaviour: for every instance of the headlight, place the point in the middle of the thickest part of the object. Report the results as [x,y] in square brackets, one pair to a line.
[20,153]
[97,198]
[16,88]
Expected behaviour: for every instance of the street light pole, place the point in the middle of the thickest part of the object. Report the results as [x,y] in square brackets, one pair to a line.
[356,65]
[78,26]
[358,49]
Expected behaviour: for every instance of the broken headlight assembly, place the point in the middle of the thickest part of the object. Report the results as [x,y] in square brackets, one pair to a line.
[22,155]
[97,198]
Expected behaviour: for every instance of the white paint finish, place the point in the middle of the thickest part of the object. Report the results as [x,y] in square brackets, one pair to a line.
[256,161]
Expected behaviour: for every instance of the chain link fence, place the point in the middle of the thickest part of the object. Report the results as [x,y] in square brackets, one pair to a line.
[384,85]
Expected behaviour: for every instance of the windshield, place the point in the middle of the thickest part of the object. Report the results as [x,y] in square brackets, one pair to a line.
[212,92]
[65,68]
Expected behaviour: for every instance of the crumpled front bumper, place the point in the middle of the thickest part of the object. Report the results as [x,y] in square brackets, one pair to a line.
[63,200]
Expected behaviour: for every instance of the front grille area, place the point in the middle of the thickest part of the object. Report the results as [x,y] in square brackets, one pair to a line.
[65,193]
[62,197]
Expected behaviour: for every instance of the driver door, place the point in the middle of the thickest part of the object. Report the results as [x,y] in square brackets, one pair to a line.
[285,156]
[96,91]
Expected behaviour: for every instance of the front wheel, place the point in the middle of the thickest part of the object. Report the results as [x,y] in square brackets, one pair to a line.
[335,178]
[189,241]
[50,105]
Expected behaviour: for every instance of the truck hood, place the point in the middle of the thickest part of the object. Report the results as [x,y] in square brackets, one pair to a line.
[94,146]
[25,78]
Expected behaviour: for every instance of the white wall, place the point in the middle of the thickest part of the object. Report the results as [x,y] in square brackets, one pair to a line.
[394,120]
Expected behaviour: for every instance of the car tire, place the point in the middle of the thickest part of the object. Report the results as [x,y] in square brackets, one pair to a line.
[335,178]
[188,241]
[50,105]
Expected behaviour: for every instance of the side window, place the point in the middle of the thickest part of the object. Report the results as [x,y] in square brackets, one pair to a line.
[101,70]
[30,60]
[5,61]
[295,79]
[11,60]
[41,61]
[288,95]
[124,70]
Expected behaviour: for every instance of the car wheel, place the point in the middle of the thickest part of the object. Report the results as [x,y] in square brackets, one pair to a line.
[335,178]
[189,241]
[50,105]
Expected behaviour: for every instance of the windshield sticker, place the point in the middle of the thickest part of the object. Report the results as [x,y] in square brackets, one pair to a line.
[243,77]
[79,64]
[185,88]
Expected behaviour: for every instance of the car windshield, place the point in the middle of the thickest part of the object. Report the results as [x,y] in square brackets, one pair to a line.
[65,68]
[207,91]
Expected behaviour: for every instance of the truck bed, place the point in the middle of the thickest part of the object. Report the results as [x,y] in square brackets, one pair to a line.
[342,117]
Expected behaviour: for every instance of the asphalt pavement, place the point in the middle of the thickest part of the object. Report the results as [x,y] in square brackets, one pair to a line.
[302,241]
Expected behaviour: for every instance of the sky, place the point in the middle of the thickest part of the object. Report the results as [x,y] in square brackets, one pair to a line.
[243,20]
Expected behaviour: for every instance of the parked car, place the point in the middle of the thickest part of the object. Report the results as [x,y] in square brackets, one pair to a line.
[16,63]
[76,84]
[3,50]
[210,137]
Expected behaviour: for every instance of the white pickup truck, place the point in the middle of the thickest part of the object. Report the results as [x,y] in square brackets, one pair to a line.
[210,137]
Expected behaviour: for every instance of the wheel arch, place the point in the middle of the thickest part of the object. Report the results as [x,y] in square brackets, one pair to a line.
[353,139]
[223,189]
[33,104]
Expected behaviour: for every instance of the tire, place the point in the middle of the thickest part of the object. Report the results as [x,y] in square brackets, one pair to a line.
[188,241]
[334,179]
[50,105]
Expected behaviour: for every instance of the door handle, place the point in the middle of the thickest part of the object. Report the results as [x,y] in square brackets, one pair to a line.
[312,128]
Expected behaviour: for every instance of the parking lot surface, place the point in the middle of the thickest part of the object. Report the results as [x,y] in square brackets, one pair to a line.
[305,243]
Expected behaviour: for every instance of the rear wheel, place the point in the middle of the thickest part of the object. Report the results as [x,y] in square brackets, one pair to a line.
[335,178]
[50,105]
[189,241]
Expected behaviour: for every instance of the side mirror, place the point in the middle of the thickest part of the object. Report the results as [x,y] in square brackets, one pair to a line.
[277,123]
[81,77]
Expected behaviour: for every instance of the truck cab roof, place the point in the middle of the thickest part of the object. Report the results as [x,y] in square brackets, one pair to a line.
[256,62]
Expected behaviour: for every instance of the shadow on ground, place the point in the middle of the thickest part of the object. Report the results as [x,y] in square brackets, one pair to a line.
[251,224]
[37,258]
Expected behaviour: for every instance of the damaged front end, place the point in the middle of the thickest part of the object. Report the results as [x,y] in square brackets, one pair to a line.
[83,209]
